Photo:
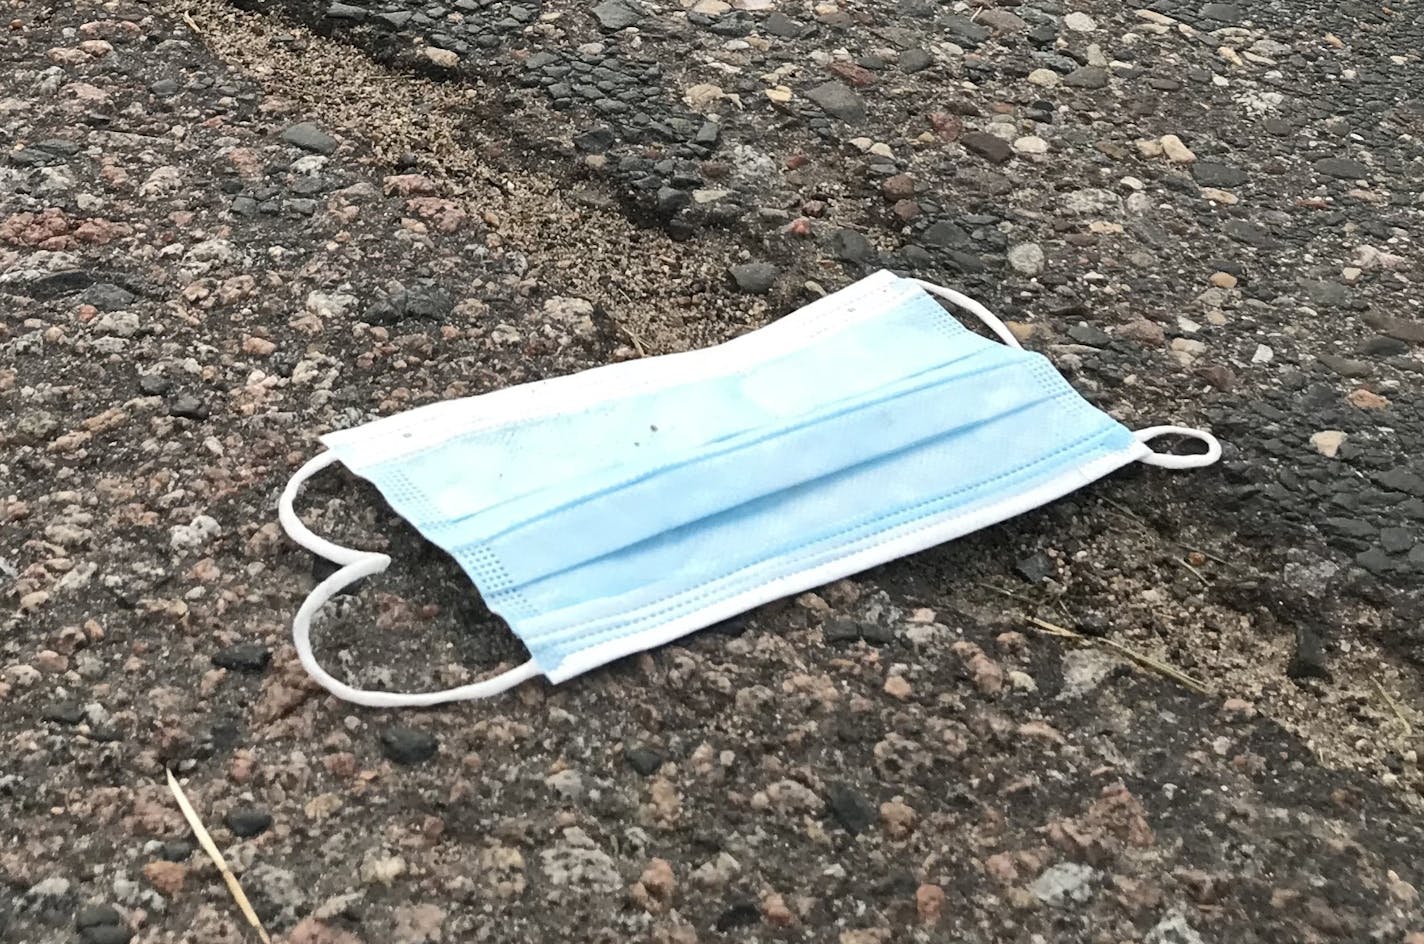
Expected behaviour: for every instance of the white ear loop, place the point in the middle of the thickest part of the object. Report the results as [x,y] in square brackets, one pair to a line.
[1162,459]
[1167,460]
[356,565]
[991,320]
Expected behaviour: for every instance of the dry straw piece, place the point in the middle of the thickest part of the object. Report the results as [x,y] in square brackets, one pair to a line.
[1146,661]
[1394,706]
[211,849]
[1143,660]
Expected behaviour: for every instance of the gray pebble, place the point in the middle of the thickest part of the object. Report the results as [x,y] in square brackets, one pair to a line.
[189,407]
[1223,176]
[1342,167]
[837,100]
[1221,12]
[94,915]
[755,278]
[992,148]
[408,745]
[154,385]
[1087,77]
[643,759]
[852,811]
[618,14]
[344,11]
[943,234]
[1309,658]
[309,137]
[915,60]
[1397,540]
[1064,883]
[855,630]
[1250,233]
[248,821]
[1326,294]
[64,712]
[851,246]
[1089,335]
[1381,346]
[107,297]
[779,24]
[243,657]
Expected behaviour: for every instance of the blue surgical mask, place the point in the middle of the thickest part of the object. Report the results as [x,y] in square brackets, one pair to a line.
[608,512]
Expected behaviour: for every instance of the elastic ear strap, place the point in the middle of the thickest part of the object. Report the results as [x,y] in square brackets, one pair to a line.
[1167,460]
[991,321]
[301,533]
[356,565]
[1162,459]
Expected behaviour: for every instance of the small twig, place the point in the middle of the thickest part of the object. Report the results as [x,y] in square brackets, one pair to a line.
[1128,513]
[1010,594]
[1394,706]
[632,335]
[1209,556]
[1136,522]
[1146,661]
[1125,512]
[211,849]
[192,24]
[1195,573]
[1123,508]
[1036,604]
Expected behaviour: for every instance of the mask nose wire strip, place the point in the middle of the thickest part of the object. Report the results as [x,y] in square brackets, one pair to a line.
[959,300]
[356,565]
[1161,459]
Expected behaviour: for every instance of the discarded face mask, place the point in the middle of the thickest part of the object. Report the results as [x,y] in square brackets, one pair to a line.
[608,512]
